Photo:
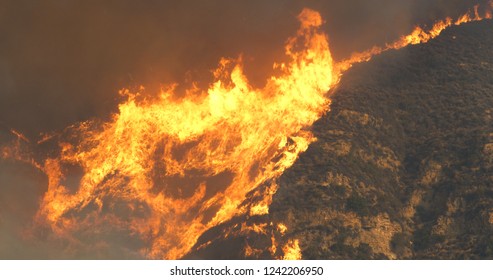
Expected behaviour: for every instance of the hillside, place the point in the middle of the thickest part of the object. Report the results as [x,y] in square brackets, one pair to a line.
[402,166]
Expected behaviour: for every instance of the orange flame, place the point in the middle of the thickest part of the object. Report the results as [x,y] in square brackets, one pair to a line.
[282,228]
[244,135]
[262,207]
[417,36]
[292,250]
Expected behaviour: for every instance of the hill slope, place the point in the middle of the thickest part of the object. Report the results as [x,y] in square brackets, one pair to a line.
[402,166]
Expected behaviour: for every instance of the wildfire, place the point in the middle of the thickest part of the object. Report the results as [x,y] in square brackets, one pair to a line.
[262,207]
[244,135]
[417,36]
[282,228]
[292,250]
[168,170]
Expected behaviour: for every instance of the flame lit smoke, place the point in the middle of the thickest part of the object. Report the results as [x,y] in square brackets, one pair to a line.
[243,135]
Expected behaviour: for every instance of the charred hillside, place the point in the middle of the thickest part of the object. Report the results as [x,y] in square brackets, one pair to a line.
[403,162]
[402,166]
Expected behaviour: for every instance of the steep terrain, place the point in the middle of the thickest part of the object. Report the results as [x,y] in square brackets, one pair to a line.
[402,166]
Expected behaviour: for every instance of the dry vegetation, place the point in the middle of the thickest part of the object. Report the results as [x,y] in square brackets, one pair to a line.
[405,154]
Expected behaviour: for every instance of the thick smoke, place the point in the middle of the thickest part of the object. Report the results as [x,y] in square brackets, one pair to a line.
[63,62]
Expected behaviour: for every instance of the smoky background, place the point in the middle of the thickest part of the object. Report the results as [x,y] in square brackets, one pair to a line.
[63,62]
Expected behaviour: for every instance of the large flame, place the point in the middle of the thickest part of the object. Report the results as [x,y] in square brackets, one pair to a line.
[242,135]
[168,169]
